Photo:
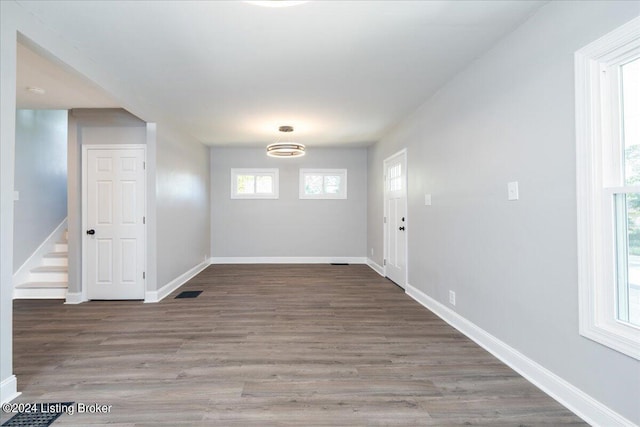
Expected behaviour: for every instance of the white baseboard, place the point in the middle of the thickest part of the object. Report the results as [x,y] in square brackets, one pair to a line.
[160,294]
[583,405]
[75,298]
[287,260]
[22,274]
[9,389]
[375,267]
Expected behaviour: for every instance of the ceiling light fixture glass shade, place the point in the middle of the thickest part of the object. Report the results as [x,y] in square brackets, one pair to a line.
[285,149]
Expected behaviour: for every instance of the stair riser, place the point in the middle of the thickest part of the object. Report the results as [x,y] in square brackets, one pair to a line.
[49,277]
[39,293]
[57,262]
[61,247]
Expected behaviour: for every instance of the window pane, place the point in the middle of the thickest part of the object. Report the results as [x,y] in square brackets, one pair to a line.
[246,184]
[631,121]
[628,256]
[394,177]
[331,184]
[264,184]
[313,184]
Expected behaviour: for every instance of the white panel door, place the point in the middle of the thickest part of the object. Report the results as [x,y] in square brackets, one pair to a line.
[395,212]
[114,219]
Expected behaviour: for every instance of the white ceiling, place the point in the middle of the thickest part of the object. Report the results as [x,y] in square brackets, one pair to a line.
[64,88]
[230,72]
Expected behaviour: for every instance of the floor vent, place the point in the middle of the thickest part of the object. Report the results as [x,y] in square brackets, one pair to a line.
[339,263]
[188,294]
[39,414]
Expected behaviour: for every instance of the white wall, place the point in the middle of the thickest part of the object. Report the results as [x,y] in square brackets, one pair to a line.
[513,265]
[182,200]
[40,177]
[288,226]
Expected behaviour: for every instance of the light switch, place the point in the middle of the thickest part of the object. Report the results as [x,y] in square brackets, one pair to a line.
[512,190]
[427,199]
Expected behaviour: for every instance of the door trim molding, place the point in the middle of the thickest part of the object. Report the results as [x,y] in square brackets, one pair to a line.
[85,150]
[402,152]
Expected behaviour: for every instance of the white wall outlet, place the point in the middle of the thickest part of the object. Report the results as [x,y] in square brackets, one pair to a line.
[371,251]
[16,196]
[452,298]
[427,199]
[512,190]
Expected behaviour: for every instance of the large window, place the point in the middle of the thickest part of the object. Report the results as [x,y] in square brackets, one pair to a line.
[254,183]
[323,183]
[608,178]
[627,197]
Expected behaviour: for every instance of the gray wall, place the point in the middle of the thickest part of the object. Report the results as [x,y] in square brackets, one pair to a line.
[88,126]
[40,177]
[513,265]
[15,21]
[177,182]
[182,203]
[288,226]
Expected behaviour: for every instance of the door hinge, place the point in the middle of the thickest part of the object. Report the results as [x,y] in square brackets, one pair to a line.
[144,275]
[384,262]
[144,165]
[385,219]
[144,219]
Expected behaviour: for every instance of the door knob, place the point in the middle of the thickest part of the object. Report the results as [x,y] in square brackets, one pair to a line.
[91,232]
[401,229]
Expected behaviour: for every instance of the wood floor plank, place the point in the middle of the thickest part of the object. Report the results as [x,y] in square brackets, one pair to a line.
[286,345]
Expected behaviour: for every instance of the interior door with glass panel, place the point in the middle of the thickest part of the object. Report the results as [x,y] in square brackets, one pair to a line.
[395,218]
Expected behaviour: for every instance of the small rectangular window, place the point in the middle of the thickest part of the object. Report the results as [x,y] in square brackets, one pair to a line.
[323,183]
[394,178]
[254,183]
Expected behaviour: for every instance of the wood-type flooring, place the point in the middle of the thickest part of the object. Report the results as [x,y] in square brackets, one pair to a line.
[290,345]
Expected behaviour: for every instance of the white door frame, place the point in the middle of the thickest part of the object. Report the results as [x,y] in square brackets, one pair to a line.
[85,195]
[385,224]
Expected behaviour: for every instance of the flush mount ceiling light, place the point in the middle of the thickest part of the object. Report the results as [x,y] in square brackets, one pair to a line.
[285,149]
[276,3]
[35,90]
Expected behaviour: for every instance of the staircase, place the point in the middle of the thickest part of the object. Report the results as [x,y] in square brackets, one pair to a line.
[50,279]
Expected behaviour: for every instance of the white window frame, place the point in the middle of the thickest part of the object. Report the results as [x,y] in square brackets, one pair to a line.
[598,160]
[273,173]
[342,194]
